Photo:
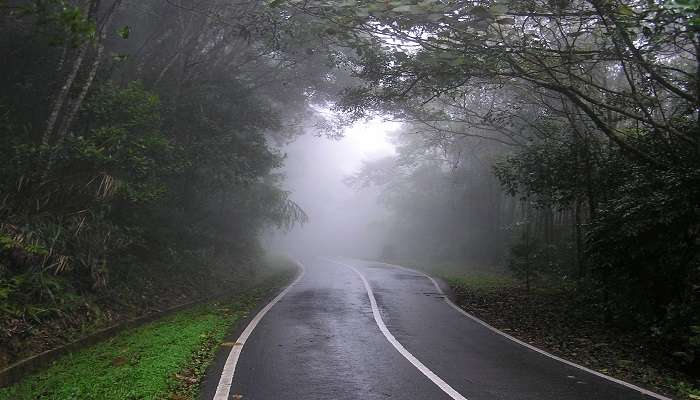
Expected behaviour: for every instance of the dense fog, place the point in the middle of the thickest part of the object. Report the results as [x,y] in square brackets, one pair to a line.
[384,191]
[343,220]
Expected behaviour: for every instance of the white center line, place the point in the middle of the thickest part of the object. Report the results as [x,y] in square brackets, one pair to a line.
[224,387]
[398,346]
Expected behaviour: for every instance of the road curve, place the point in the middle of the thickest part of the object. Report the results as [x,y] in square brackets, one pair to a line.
[322,340]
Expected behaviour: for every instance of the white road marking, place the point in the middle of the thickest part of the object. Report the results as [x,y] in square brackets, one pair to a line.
[398,346]
[529,346]
[224,386]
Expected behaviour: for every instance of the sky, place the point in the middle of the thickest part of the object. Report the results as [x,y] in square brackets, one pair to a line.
[342,220]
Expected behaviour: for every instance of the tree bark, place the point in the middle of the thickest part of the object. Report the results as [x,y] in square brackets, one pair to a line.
[579,240]
[63,94]
[78,102]
[59,103]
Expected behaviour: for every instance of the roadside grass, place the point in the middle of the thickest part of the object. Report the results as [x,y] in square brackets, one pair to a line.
[461,277]
[165,359]
[481,282]
[455,270]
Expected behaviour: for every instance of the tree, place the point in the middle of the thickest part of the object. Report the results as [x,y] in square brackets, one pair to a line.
[598,104]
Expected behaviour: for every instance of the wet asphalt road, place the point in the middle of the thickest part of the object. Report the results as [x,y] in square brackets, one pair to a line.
[322,342]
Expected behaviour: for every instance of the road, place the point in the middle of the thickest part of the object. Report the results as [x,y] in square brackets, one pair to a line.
[324,340]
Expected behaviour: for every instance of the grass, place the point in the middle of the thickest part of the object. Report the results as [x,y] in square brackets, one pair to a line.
[466,277]
[164,359]
[481,282]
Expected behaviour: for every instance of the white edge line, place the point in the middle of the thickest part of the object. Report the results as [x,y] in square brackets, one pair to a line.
[224,386]
[444,386]
[520,342]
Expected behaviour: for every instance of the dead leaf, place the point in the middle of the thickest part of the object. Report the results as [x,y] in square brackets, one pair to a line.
[119,361]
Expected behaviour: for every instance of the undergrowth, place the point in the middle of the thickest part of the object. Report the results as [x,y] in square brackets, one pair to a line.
[165,359]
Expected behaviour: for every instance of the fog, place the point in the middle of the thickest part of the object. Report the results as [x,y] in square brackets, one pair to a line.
[342,220]
[382,191]
[546,165]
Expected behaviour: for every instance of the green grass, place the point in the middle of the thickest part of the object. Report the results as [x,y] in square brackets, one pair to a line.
[481,282]
[465,276]
[147,362]
[450,270]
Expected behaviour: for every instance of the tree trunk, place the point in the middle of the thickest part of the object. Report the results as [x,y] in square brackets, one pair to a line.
[59,103]
[526,240]
[63,94]
[580,265]
[78,102]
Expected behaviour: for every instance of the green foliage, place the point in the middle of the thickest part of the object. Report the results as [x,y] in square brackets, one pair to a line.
[145,168]
[127,144]
[124,32]
[120,164]
[527,261]
[644,246]
[548,169]
[67,197]
[691,9]
[598,101]
[59,22]
[642,239]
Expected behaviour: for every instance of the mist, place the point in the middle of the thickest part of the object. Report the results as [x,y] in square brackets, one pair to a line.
[498,173]
[342,220]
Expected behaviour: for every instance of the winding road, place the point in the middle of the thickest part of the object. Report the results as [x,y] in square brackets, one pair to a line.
[349,329]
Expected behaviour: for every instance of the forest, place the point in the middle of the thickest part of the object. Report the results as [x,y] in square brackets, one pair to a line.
[558,140]
[140,148]
[137,144]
